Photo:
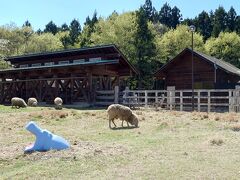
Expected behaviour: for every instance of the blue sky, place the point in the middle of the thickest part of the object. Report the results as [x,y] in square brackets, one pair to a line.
[40,12]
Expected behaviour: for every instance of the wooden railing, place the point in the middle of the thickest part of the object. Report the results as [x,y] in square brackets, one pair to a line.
[107,97]
[204,99]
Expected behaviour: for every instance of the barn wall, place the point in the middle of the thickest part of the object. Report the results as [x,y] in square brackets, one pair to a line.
[179,74]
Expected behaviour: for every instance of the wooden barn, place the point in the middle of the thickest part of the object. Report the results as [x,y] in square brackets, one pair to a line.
[209,72]
[74,75]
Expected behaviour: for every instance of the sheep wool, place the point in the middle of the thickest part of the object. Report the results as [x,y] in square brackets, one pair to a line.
[124,113]
[32,102]
[58,103]
[18,102]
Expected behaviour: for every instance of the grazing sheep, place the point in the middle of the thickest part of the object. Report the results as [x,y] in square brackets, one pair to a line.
[32,102]
[117,111]
[58,103]
[18,102]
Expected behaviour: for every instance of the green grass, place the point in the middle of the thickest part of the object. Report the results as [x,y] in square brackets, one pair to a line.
[167,145]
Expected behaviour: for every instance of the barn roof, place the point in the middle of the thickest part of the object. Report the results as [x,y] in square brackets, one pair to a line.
[102,62]
[225,66]
[109,48]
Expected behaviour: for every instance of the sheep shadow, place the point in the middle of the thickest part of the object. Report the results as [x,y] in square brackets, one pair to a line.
[123,128]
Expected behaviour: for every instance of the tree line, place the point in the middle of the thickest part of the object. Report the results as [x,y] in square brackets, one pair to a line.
[148,37]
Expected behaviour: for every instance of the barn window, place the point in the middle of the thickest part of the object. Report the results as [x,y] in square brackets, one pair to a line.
[76,61]
[63,62]
[95,59]
[36,64]
[48,63]
[23,65]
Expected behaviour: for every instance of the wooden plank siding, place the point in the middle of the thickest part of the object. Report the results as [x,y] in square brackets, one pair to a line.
[207,75]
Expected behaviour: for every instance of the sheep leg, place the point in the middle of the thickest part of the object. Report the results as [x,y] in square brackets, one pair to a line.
[122,123]
[114,123]
[111,120]
[127,124]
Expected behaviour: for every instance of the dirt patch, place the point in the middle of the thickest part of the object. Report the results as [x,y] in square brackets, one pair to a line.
[77,149]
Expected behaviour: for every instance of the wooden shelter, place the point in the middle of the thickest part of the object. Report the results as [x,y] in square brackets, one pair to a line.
[74,75]
[208,72]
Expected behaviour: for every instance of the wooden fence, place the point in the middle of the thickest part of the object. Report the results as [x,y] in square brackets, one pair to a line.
[204,100]
[105,98]
[209,100]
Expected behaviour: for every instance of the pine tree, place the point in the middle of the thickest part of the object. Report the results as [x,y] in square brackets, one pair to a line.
[51,28]
[175,17]
[75,31]
[231,19]
[165,14]
[148,8]
[204,25]
[64,27]
[145,48]
[27,24]
[219,21]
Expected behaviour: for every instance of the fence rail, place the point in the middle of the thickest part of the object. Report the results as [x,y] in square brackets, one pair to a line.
[203,100]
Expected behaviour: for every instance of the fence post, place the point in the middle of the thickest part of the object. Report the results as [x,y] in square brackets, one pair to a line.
[199,106]
[146,99]
[156,97]
[209,101]
[170,96]
[125,95]
[181,100]
[116,94]
[230,101]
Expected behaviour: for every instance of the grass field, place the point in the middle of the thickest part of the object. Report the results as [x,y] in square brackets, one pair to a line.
[167,145]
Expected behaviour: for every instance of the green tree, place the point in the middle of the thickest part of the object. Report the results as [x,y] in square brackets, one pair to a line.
[42,43]
[204,25]
[145,49]
[51,27]
[75,31]
[119,30]
[3,49]
[27,24]
[165,14]
[175,17]
[174,41]
[225,47]
[238,24]
[63,36]
[64,27]
[219,21]
[150,11]
[231,20]
[88,29]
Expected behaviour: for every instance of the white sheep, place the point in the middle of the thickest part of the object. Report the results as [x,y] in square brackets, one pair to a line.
[58,103]
[124,113]
[18,102]
[32,102]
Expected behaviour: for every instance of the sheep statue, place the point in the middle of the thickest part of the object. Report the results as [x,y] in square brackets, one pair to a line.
[58,103]
[18,102]
[124,113]
[32,102]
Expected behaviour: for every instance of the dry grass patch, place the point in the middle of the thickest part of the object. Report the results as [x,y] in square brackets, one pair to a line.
[216,141]
[235,127]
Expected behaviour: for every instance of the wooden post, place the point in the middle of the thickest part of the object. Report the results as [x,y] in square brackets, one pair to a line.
[116,94]
[209,101]
[170,96]
[199,105]
[156,97]
[230,101]
[181,101]
[146,99]
[71,88]
[90,87]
